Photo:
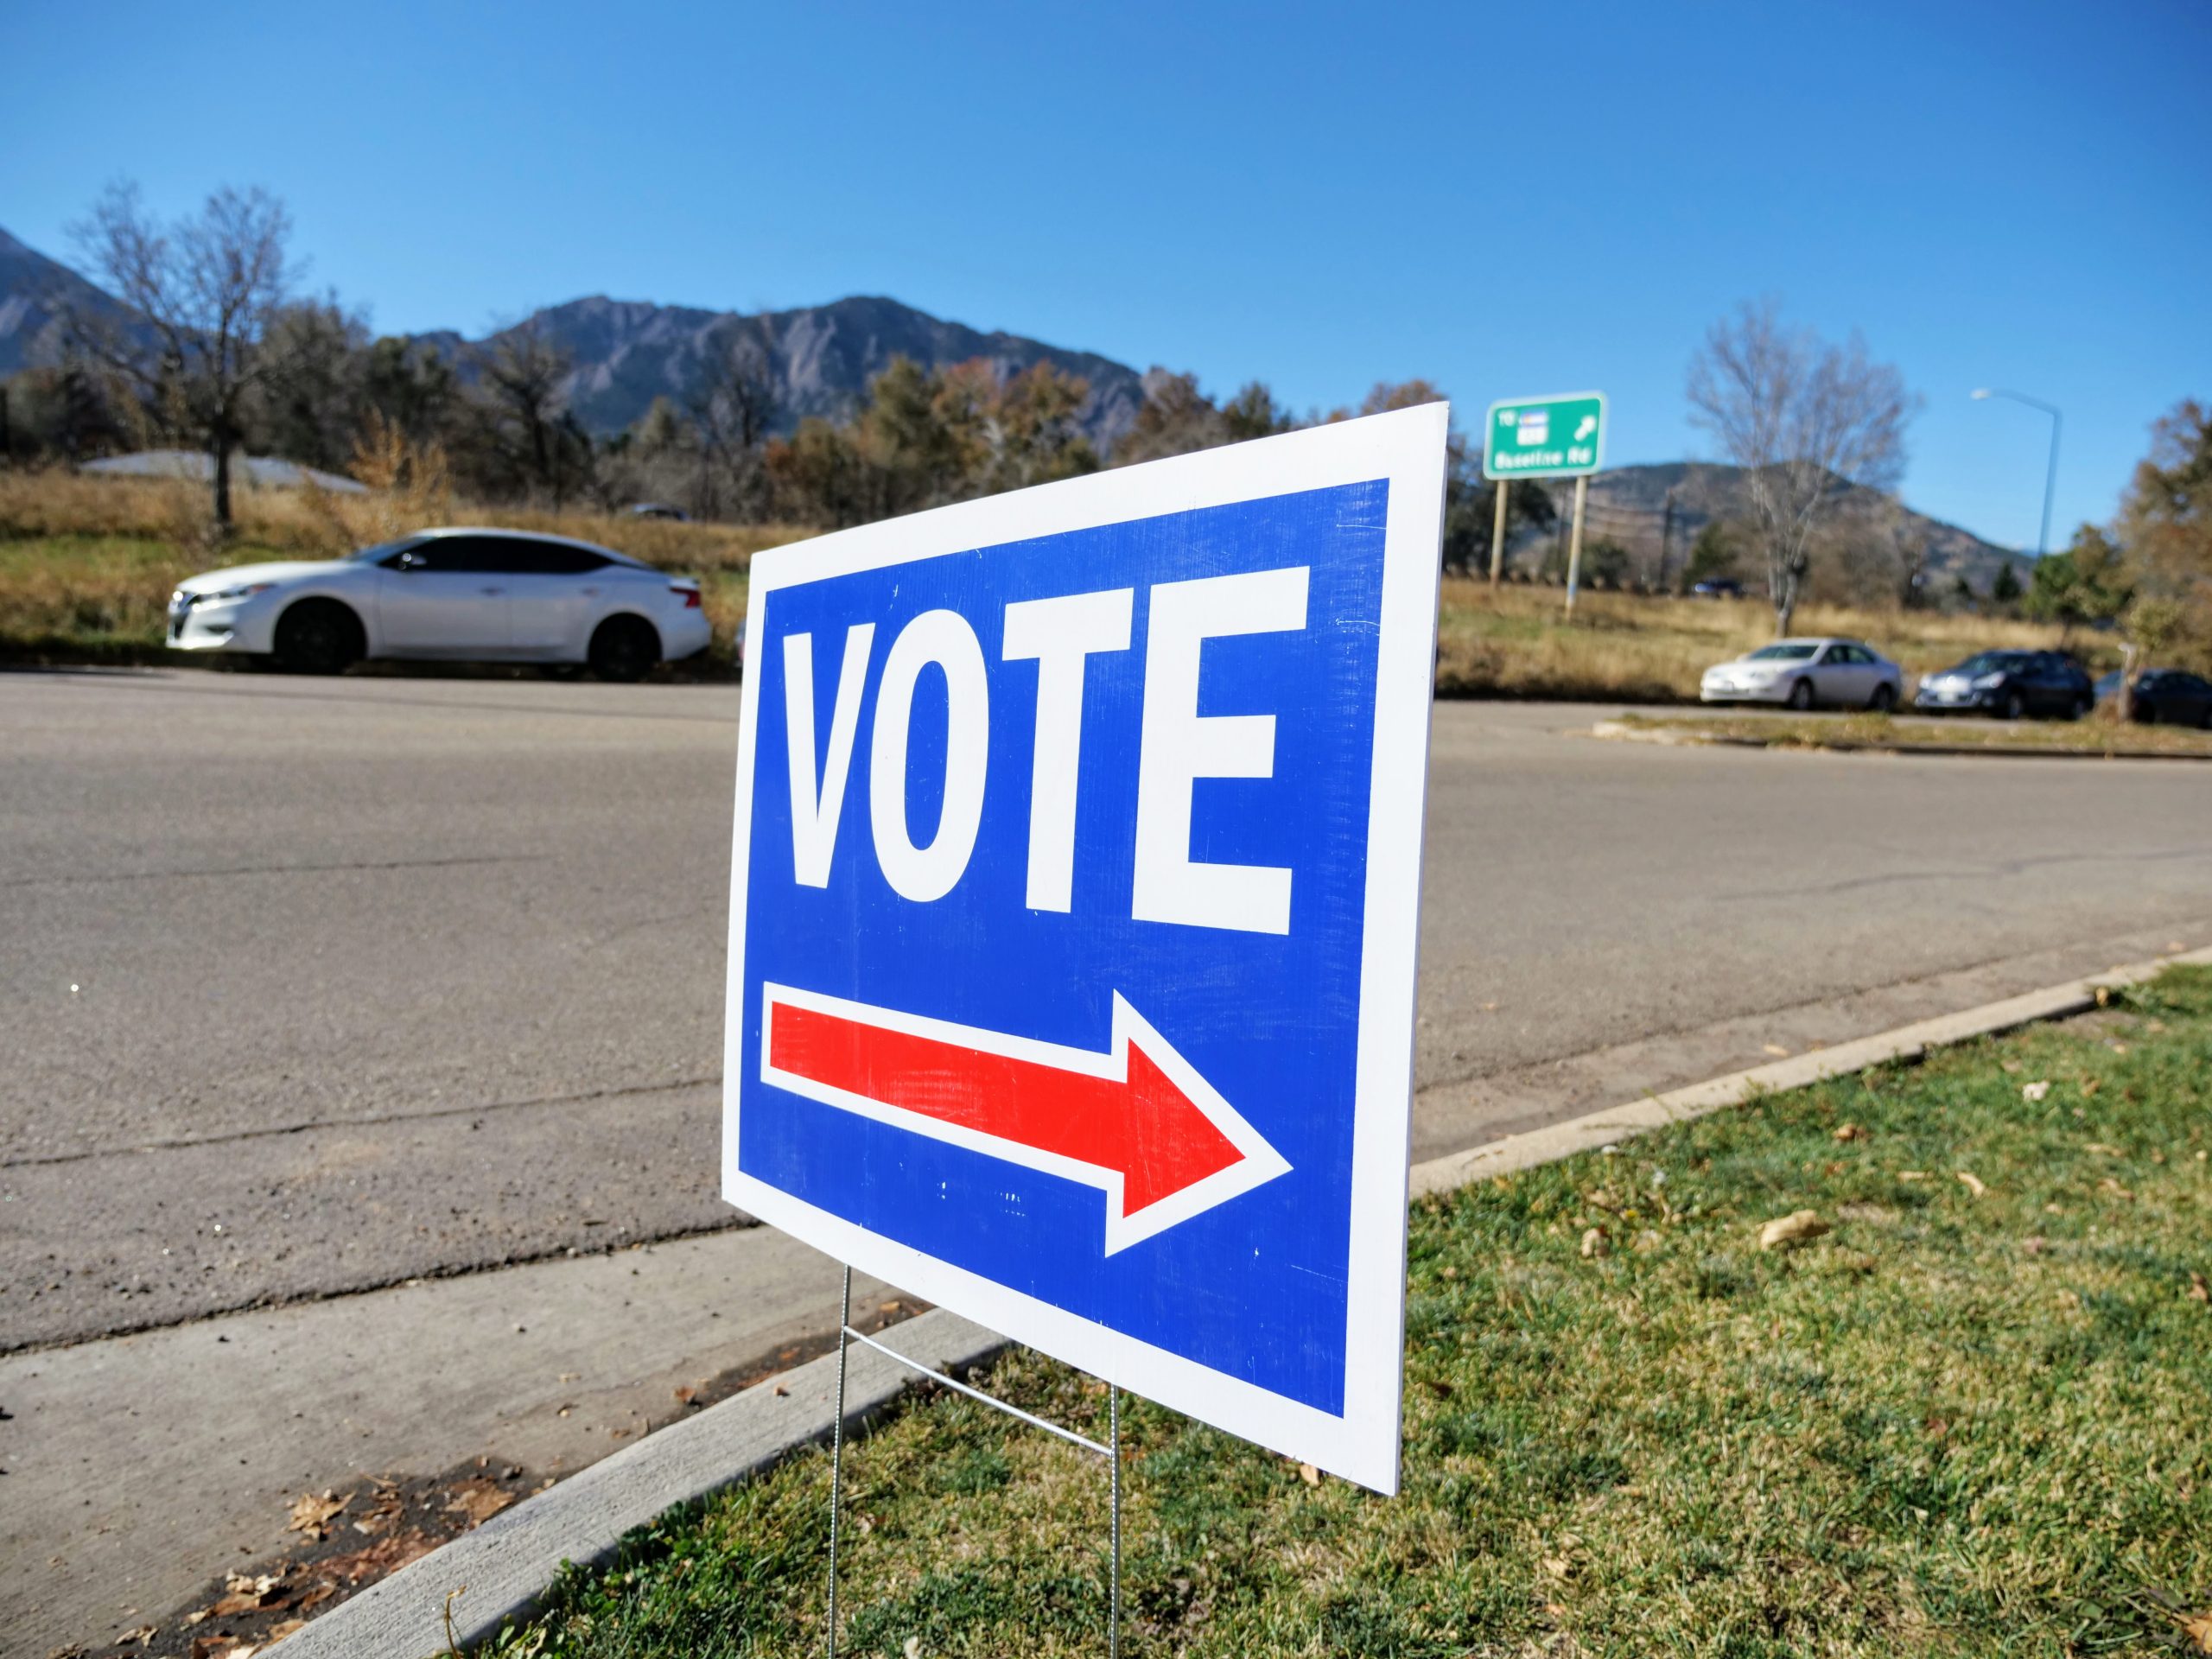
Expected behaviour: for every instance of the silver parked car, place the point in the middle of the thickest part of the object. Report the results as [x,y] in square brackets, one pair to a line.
[1807,673]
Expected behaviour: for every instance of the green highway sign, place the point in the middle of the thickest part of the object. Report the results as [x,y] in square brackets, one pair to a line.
[1545,438]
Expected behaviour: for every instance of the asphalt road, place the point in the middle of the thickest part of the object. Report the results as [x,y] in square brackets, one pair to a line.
[309,987]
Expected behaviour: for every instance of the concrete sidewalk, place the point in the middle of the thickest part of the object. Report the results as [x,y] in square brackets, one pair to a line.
[139,1466]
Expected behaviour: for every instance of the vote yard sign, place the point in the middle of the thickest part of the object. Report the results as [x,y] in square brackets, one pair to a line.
[1545,438]
[1073,909]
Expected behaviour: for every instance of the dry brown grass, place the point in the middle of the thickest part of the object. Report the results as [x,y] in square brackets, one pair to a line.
[87,562]
[2102,736]
[311,524]
[1514,641]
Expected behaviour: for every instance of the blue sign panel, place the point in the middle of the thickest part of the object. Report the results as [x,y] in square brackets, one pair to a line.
[1074,902]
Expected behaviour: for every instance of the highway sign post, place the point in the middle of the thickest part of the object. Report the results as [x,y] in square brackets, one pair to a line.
[1559,436]
[1074,900]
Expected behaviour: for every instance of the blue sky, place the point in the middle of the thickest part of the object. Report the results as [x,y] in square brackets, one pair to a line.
[1509,199]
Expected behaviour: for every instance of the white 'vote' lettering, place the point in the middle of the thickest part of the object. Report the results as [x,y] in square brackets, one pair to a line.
[1177,747]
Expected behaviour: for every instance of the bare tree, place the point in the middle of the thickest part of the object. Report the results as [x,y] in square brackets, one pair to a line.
[522,374]
[204,290]
[733,405]
[1803,418]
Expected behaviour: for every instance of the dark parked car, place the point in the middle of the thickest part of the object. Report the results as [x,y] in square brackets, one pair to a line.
[2009,685]
[2165,696]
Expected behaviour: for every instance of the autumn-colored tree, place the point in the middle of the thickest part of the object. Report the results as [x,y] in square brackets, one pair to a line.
[2087,582]
[1177,418]
[2165,525]
[931,437]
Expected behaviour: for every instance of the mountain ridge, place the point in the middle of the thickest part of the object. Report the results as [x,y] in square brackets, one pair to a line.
[627,353]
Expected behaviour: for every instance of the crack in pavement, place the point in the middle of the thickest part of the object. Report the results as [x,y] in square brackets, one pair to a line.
[1959,871]
[379,1120]
[278,869]
[152,684]
[739,1222]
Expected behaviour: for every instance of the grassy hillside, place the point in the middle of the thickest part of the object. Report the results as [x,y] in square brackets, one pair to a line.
[87,566]
[1514,642]
[87,563]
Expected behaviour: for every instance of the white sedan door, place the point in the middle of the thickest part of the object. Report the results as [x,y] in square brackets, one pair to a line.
[444,597]
[553,591]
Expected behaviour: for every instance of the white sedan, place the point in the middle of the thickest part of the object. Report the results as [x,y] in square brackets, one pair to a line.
[456,596]
[1804,673]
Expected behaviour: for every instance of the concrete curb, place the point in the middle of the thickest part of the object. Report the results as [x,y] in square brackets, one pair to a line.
[506,1563]
[1689,737]
[1600,1128]
[503,1566]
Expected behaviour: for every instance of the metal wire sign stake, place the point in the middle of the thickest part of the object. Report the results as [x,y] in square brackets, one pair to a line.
[1111,1452]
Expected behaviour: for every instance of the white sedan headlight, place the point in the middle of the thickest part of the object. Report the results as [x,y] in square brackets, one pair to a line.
[229,596]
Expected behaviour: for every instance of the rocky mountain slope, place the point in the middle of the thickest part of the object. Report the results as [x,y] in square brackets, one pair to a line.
[627,353]
[34,293]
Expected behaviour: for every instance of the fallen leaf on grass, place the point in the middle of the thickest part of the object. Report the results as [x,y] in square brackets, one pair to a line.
[1972,1183]
[278,1632]
[1595,1244]
[2198,1290]
[1874,1212]
[1309,1474]
[1912,1174]
[2008,1066]
[479,1500]
[2110,1185]
[2034,1090]
[311,1515]
[2199,1630]
[1850,1132]
[2100,1147]
[1787,1231]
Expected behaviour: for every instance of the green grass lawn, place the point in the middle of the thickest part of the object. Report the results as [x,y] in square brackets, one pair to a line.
[2095,736]
[1971,1418]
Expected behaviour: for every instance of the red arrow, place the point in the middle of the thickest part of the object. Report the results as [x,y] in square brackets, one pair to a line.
[1137,1120]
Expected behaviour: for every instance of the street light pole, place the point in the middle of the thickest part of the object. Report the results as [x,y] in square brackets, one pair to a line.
[2051,472]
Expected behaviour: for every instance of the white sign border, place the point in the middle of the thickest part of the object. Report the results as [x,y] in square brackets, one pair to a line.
[1406,447]
[1490,422]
